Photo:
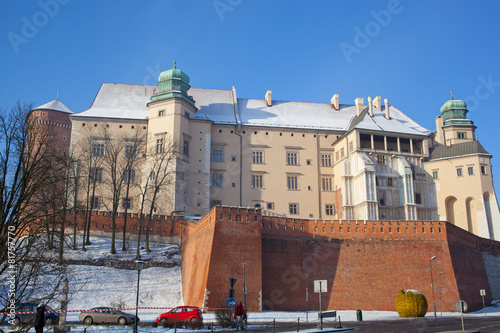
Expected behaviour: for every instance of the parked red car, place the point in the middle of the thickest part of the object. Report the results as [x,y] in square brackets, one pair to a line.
[181,315]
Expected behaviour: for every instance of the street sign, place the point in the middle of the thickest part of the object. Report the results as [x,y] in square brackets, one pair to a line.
[461,306]
[232,282]
[320,286]
[482,292]
[231,302]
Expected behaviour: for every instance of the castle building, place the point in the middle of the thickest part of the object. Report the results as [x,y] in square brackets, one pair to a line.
[289,159]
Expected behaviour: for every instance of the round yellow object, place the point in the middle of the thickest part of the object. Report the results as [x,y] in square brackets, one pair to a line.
[411,303]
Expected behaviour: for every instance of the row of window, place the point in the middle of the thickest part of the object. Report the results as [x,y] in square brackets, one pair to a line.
[258,182]
[293,208]
[99,148]
[95,203]
[96,175]
[292,158]
[470,172]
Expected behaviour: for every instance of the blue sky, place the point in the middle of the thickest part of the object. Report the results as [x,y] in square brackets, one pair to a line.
[413,52]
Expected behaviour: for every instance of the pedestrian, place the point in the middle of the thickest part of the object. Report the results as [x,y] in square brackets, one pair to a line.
[240,315]
[40,318]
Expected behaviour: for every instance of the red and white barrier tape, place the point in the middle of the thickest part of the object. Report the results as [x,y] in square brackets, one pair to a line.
[111,309]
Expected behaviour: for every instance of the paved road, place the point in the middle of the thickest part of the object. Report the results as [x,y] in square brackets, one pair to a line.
[416,325]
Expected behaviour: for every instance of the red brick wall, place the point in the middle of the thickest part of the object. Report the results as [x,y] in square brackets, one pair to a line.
[364,262]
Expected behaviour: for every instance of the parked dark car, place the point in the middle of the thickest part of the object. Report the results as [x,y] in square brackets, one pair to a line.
[104,315]
[50,318]
[181,315]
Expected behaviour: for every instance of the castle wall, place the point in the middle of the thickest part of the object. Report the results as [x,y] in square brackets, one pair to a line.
[365,263]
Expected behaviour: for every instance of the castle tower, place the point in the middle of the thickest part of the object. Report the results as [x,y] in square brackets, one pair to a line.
[452,125]
[170,111]
[460,169]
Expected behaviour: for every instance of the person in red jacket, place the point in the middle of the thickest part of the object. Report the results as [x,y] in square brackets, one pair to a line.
[239,315]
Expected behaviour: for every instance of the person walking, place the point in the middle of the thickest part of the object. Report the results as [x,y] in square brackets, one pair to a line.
[40,318]
[239,315]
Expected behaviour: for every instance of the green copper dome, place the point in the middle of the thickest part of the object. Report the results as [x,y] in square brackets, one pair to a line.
[172,83]
[454,112]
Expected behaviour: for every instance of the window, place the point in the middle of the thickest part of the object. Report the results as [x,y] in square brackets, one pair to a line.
[185,148]
[461,135]
[161,113]
[217,180]
[256,181]
[127,203]
[435,175]
[130,149]
[292,182]
[337,156]
[96,175]
[257,156]
[98,148]
[351,146]
[341,152]
[293,208]
[129,176]
[270,205]
[470,170]
[218,154]
[381,159]
[94,202]
[326,160]
[389,181]
[330,209]
[459,172]
[418,199]
[152,175]
[483,169]
[160,142]
[292,158]
[326,184]
[216,203]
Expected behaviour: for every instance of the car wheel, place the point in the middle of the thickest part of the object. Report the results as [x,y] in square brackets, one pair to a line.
[87,320]
[193,323]
[163,322]
[122,321]
[16,321]
[49,321]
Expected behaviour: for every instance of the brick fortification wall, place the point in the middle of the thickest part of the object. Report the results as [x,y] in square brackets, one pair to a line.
[365,263]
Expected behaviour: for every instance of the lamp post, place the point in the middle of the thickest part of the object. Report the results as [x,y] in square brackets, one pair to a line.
[244,288]
[140,265]
[432,286]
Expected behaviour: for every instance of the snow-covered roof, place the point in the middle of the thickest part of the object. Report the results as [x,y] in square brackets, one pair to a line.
[55,105]
[126,101]
[398,122]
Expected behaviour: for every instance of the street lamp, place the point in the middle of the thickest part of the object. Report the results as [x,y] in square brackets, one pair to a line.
[244,288]
[432,286]
[140,265]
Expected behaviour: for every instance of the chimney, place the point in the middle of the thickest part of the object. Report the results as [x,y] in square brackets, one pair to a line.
[376,103]
[370,106]
[359,105]
[386,102]
[335,101]
[268,98]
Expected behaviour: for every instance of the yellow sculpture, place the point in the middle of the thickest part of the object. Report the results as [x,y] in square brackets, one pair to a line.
[411,303]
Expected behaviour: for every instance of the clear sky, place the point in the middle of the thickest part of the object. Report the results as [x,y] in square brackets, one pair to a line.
[413,52]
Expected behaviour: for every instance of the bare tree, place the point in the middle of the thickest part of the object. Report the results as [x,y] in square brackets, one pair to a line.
[25,261]
[160,172]
[89,151]
[132,159]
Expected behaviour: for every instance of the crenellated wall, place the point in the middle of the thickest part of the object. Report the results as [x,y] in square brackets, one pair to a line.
[365,263]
